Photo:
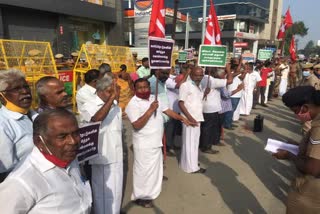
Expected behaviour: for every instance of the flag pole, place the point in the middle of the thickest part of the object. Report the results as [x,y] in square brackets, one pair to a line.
[157,90]
[204,17]
[186,42]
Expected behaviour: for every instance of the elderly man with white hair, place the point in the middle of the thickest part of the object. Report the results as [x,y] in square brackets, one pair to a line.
[15,120]
[107,167]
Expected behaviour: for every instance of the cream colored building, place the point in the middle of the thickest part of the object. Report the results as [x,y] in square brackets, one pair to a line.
[268,35]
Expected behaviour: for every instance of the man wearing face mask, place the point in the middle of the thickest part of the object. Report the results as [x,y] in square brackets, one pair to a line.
[51,94]
[145,115]
[15,120]
[107,167]
[304,194]
[162,75]
[49,180]
[310,76]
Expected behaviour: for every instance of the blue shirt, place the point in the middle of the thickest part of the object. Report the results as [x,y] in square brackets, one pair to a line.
[16,140]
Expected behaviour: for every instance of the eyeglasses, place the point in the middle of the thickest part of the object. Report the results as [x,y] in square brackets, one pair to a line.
[18,89]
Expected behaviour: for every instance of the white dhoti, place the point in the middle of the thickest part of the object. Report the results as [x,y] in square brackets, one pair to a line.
[190,148]
[107,181]
[147,173]
[246,102]
[236,113]
[283,87]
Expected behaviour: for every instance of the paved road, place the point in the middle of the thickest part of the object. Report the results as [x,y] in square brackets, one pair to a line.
[242,178]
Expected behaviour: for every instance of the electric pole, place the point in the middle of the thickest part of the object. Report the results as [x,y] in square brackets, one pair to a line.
[174,23]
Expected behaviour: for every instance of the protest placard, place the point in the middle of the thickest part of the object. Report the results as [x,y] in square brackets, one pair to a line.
[265,54]
[160,53]
[212,55]
[88,142]
[182,58]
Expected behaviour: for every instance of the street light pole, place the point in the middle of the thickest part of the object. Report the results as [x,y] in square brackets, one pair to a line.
[174,23]
[204,17]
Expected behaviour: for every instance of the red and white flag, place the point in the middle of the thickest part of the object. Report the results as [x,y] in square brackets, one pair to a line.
[292,50]
[213,34]
[157,20]
[286,23]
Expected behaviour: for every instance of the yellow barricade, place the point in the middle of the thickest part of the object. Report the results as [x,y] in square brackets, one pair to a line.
[91,56]
[33,58]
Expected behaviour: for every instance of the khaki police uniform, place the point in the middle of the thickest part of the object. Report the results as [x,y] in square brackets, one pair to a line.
[305,194]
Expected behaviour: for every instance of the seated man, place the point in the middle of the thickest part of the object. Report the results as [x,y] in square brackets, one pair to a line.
[49,180]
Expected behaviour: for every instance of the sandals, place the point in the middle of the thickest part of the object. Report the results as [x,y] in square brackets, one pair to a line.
[144,203]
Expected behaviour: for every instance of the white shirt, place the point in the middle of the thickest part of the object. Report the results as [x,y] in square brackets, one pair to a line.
[85,94]
[15,137]
[150,136]
[173,93]
[110,133]
[236,82]
[251,80]
[285,71]
[37,186]
[213,102]
[192,96]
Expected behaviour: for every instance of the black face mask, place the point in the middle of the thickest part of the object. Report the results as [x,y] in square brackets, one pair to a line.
[163,79]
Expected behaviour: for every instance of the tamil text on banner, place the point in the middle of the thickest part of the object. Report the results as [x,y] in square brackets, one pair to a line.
[160,53]
[89,135]
[264,54]
[182,58]
[212,55]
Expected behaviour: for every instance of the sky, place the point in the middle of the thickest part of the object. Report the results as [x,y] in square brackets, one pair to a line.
[308,12]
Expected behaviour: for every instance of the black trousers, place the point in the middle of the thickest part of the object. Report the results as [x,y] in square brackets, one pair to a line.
[271,89]
[221,124]
[210,130]
[171,128]
[262,91]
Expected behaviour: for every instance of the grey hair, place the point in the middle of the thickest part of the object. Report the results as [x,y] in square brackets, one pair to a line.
[104,82]
[9,76]
[42,83]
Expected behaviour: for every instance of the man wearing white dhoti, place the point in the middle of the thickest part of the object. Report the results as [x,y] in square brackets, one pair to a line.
[145,115]
[107,167]
[191,105]
[284,69]
[250,84]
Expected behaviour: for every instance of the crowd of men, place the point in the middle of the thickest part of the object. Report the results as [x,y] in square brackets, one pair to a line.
[38,148]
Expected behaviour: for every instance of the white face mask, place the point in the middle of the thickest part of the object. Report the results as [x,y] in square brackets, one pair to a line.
[305,73]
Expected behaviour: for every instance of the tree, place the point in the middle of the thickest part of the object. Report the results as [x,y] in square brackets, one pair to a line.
[298,28]
[309,45]
[311,49]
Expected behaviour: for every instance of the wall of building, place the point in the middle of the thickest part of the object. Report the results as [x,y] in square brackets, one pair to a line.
[270,30]
[65,32]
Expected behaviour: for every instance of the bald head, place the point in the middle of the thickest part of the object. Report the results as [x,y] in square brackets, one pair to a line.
[197,74]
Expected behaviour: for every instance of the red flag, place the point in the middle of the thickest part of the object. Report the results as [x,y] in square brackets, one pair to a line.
[286,23]
[213,34]
[157,20]
[292,50]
